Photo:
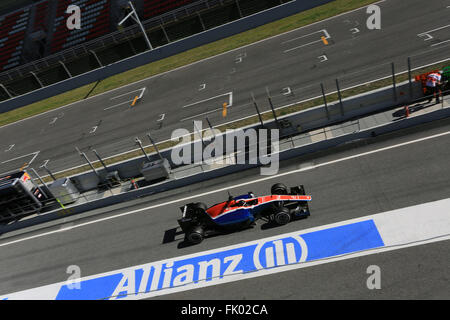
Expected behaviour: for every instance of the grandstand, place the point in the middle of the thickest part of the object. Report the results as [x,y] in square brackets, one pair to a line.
[12,35]
[37,49]
[95,22]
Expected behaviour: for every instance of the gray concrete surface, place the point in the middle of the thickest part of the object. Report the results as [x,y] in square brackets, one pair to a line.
[385,180]
[352,57]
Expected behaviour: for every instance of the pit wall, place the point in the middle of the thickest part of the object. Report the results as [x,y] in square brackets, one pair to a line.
[310,119]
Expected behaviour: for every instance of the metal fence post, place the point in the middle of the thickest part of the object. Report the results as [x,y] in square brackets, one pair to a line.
[165,33]
[157,151]
[139,143]
[65,68]
[410,78]
[100,159]
[96,58]
[154,146]
[257,110]
[239,8]
[201,21]
[340,97]
[199,133]
[272,108]
[48,171]
[6,90]
[325,101]
[37,79]
[211,127]
[203,143]
[394,81]
[133,14]
[83,155]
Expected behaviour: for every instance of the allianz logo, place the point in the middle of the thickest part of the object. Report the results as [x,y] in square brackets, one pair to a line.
[173,273]
[280,252]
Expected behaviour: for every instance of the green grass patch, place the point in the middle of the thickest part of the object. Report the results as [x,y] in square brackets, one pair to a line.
[45,105]
[263,32]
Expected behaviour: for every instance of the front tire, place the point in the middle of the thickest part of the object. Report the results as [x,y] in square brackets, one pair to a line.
[282,216]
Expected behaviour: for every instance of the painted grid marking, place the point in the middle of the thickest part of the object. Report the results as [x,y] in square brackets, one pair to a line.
[323,39]
[142,90]
[229,104]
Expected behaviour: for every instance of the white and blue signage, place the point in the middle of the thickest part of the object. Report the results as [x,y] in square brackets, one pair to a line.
[213,267]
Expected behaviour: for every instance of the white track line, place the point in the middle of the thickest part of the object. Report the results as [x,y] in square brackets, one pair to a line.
[235,186]
[196,62]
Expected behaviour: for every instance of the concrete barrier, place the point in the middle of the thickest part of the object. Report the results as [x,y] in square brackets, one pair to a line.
[310,119]
[285,155]
[162,52]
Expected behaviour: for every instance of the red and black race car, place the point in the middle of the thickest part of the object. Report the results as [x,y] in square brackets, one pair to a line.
[279,208]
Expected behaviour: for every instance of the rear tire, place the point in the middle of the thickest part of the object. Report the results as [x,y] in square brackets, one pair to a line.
[200,206]
[279,189]
[197,209]
[196,235]
[282,216]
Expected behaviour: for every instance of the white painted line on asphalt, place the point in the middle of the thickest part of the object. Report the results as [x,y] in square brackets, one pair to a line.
[323,58]
[54,120]
[142,93]
[194,63]
[161,117]
[354,30]
[34,154]
[230,100]
[284,106]
[427,34]
[240,57]
[363,154]
[202,87]
[362,236]
[325,37]
[44,164]
[201,114]
[286,91]
[325,32]
[398,229]
[128,93]
[118,105]
[440,43]
[10,148]
[281,107]
[93,129]
[142,90]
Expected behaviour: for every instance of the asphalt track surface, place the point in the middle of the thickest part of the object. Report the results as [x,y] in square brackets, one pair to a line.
[292,60]
[380,181]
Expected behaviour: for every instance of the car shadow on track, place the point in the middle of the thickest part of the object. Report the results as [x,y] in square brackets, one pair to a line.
[174,234]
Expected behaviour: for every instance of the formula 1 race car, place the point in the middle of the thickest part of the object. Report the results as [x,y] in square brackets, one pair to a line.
[281,207]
